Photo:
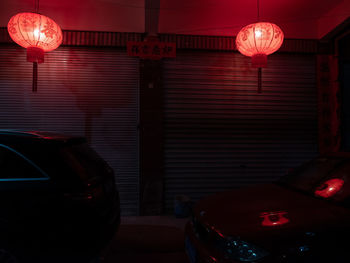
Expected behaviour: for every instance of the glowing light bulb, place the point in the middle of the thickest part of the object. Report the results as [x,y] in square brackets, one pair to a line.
[36,32]
[258,33]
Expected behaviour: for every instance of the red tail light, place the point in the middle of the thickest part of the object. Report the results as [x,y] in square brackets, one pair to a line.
[274,218]
[329,187]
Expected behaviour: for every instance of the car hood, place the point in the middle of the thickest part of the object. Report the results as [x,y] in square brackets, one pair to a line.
[241,213]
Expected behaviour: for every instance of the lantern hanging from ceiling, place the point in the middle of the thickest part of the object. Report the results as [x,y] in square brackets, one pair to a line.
[259,40]
[37,33]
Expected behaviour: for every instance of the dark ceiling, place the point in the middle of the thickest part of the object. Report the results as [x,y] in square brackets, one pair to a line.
[297,18]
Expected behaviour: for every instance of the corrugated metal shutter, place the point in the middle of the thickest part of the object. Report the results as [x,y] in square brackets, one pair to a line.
[220,133]
[81,91]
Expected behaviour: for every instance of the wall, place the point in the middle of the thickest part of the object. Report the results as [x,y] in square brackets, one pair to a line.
[333,18]
[84,15]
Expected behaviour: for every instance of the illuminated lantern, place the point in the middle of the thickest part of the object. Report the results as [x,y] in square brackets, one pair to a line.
[36,33]
[259,40]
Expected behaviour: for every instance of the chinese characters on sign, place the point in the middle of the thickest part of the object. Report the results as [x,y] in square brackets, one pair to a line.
[151,49]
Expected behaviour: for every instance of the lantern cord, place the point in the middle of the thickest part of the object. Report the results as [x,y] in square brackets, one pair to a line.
[36,6]
[35,77]
[259,81]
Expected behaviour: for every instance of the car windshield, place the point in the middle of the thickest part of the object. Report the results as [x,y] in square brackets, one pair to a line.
[324,177]
[84,160]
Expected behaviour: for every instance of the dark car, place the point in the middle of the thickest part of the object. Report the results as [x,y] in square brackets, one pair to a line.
[305,217]
[58,198]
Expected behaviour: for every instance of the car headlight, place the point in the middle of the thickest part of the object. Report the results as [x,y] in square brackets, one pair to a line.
[237,249]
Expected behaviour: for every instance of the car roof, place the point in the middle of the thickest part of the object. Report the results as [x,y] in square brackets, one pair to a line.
[337,154]
[43,135]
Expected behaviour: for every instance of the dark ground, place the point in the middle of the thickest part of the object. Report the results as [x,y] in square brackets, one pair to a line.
[149,239]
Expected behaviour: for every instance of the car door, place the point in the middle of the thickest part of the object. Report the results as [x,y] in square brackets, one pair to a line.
[26,196]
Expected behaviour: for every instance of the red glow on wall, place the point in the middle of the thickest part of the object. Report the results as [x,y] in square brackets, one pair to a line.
[259,40]
[35,32]
[274,218]
[329,188]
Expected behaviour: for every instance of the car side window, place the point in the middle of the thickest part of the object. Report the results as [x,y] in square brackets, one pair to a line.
[15,166]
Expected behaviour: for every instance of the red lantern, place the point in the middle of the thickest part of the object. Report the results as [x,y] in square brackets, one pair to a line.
[36,33]
[259,40]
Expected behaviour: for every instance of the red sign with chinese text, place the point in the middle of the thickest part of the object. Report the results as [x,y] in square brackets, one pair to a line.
[151,49]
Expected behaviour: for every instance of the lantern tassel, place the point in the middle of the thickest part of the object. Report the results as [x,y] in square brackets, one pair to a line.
[259,80]
[35,77]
